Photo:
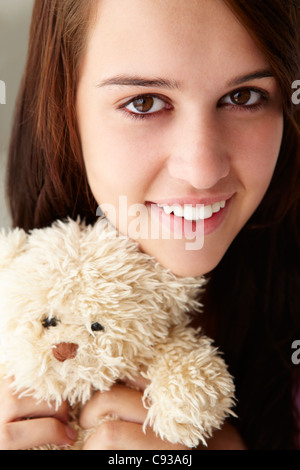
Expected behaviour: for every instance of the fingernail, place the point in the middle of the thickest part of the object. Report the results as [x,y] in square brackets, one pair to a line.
[71,433]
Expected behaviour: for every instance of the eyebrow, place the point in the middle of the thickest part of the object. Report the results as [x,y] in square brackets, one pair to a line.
[124,80]
[136,81]
[259,74]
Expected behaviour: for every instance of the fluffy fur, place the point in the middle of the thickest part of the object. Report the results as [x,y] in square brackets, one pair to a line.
[81,308]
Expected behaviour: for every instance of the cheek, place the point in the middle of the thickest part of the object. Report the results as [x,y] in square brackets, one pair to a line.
[256,151]
[118,160]
[118,170]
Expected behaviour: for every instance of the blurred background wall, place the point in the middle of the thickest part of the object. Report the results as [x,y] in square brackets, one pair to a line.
[15,18]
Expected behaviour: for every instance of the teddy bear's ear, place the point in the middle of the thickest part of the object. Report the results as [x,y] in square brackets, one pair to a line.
[12,244]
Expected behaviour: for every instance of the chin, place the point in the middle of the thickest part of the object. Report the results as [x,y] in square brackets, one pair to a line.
[173,255]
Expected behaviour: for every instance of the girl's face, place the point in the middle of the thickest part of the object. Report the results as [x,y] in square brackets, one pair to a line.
[177,106]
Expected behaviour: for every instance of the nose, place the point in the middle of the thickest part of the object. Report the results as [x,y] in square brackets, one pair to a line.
[199,155]
[64,351]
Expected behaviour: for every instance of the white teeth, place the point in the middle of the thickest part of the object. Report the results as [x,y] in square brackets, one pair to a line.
[216,207]
[178,211]
[189,212]
[208,212]
[167,209]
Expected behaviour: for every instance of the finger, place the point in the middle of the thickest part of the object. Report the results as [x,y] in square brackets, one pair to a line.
[22,435]
[121,435]
[14,408]
[28,408]
[23,408]
[122,401]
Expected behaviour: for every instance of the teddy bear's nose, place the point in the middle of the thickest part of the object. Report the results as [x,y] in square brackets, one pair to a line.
[64,351]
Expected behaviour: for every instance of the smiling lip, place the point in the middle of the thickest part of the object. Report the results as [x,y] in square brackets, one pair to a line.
[193,200]
[183,227]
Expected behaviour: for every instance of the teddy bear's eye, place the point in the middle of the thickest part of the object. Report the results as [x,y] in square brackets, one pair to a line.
[49,322]
[97,327]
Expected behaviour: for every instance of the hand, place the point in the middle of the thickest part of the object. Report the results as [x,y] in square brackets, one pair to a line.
[126,433]
[25,424]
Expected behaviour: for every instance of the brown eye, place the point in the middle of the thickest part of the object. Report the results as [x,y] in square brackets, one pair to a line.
[97,327]
[245,98]
[49,322]
[146,104]
[143,104]
[241,97]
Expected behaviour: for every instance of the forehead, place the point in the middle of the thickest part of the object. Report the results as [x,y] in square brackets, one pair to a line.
[199,39]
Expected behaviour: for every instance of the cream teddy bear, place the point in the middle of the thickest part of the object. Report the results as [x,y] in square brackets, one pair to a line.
[81,308]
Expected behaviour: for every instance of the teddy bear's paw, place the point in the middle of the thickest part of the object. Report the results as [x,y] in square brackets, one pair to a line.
[189,397]
[175,429]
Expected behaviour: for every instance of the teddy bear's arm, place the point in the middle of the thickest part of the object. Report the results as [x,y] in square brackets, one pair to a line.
[190,392]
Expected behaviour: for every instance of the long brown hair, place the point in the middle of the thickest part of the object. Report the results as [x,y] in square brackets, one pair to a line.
[46,177]
[252,301]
